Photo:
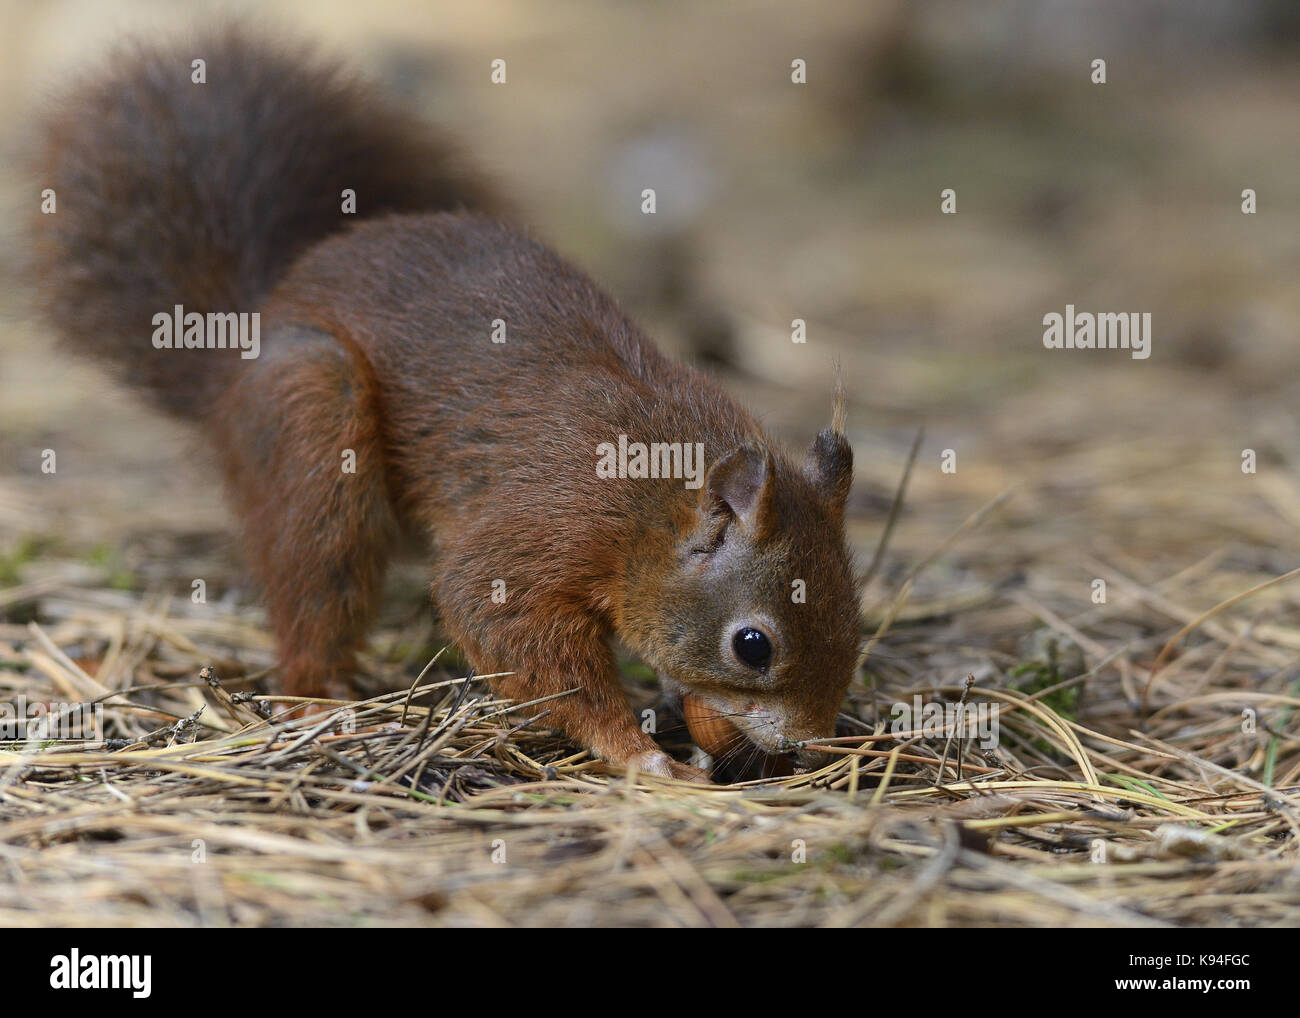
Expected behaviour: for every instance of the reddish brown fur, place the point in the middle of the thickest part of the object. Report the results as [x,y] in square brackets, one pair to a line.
[172,192]
[377,340]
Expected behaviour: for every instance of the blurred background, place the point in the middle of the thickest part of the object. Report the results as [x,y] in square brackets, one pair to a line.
[818,201]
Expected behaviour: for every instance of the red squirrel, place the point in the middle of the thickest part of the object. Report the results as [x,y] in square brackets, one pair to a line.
[382,401]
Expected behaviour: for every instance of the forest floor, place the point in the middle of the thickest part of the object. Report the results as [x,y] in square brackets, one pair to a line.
[1119,589]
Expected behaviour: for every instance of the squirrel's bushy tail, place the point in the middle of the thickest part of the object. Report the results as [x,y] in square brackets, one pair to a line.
[172,192]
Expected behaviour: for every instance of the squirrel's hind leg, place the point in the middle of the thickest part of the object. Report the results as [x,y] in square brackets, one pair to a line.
[300,437]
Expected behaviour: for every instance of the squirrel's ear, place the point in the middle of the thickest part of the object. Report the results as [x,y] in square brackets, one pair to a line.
[830,465]
[742,482]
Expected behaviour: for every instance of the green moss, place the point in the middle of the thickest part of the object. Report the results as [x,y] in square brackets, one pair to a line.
[109,559]
[29,549]
[639,673]
[1030,677]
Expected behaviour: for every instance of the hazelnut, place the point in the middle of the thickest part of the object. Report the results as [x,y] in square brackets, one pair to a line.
[712,732]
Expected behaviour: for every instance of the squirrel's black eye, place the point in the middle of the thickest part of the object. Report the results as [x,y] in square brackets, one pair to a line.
[753,647]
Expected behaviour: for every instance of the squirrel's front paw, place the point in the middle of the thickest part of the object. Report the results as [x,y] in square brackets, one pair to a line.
[660,764]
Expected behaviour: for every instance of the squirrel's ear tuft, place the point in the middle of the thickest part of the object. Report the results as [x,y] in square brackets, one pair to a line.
[830,466]
[742,483]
